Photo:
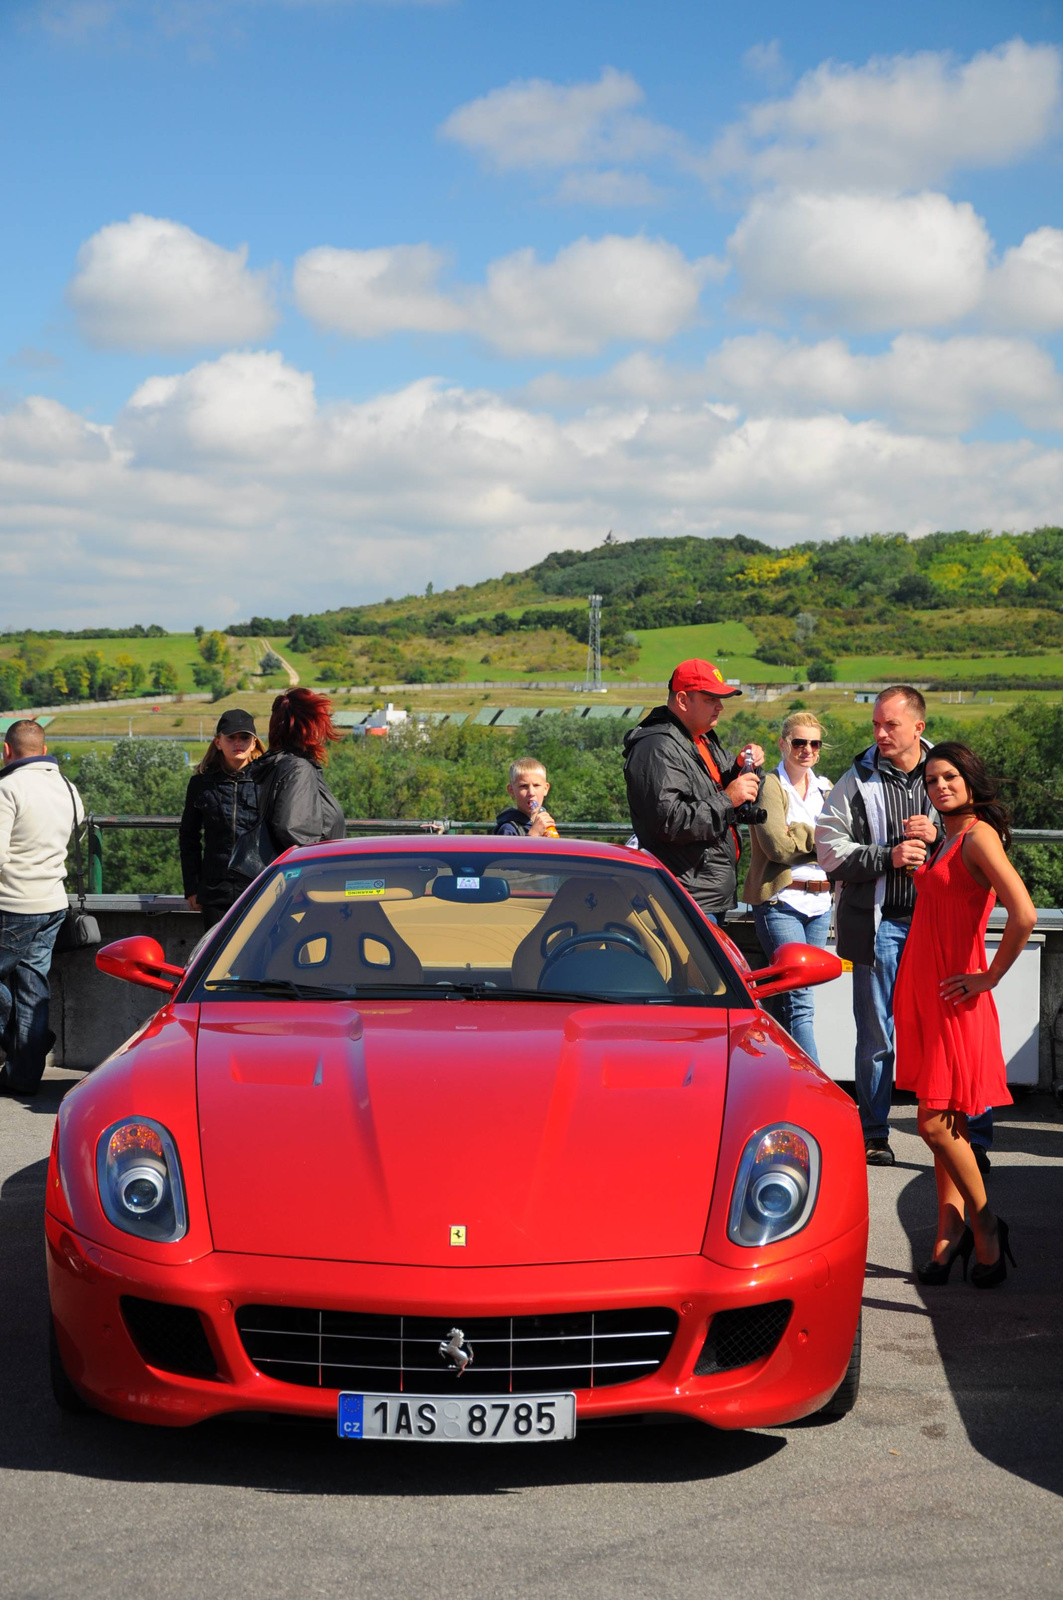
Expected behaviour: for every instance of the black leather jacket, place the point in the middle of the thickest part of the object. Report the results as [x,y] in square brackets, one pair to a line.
[678,811]
[296,803]
[218,806]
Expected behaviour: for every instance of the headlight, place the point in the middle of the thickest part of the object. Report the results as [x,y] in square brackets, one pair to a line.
[775,1190]
[139,1178]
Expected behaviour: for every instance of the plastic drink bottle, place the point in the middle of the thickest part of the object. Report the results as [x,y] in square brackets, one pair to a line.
[551,832]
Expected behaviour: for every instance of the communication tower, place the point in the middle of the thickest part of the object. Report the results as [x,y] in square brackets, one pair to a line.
[592,683]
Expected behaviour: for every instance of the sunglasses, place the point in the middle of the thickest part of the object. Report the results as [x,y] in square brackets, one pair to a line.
[813,744]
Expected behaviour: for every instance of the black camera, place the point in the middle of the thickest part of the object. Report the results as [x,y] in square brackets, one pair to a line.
[749,812]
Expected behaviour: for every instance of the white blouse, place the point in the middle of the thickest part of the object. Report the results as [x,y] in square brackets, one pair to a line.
[804,808]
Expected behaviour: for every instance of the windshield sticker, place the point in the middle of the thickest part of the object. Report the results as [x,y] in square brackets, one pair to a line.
[293,872]
[364,886]
[468,883]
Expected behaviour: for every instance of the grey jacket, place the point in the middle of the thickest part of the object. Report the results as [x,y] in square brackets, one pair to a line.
[853,850]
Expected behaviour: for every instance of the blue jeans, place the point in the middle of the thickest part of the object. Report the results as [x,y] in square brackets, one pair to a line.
[780,924]
[873,1010]
[25,958]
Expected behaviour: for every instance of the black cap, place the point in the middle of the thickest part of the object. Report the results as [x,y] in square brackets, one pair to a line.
[236,721]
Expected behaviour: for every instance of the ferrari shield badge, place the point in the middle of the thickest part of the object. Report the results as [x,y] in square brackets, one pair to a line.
[457,1233]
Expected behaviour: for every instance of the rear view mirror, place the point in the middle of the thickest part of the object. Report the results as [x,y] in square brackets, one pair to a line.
[796,966]
[470,890]
[139,959]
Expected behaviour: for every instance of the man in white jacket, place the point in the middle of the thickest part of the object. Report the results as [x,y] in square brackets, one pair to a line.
[37,813]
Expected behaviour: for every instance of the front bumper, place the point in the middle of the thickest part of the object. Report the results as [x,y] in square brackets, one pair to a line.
[86,1282]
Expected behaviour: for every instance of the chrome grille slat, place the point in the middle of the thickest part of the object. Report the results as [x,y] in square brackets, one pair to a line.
[564,1338]
[395,1353]
[599,1366]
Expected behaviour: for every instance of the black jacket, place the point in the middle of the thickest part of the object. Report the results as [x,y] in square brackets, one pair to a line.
[512,819]
[295,801]
[219,805]
[677,809]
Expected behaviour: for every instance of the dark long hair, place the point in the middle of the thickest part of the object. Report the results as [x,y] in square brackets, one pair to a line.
[214,757]
[300,721]
[981,788]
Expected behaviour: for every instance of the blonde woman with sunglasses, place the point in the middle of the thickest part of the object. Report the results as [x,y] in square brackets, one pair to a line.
[786,887]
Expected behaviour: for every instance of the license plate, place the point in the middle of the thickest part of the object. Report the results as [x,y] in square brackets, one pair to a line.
[443,1419]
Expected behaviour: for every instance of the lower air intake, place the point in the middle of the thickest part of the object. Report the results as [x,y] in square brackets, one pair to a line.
[169,1337]
[738,1338]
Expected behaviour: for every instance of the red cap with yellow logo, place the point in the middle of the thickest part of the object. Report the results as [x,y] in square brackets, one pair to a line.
[701,675]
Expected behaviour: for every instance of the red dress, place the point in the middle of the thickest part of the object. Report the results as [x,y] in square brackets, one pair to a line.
[948,1054]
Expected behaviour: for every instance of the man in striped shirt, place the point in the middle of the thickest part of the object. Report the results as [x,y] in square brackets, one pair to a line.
[873,832]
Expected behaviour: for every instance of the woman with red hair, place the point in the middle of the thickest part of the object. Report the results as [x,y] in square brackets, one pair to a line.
[294,801]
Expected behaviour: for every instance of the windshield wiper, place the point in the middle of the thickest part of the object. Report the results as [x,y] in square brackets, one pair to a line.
[483,991]
[278,986]
[287,988]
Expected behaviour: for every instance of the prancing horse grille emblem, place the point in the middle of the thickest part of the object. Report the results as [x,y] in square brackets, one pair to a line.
[455,1352]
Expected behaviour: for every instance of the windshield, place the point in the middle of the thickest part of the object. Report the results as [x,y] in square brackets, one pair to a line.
[469,925]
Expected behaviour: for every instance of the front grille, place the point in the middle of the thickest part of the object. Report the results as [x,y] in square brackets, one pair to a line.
[169,1337]
[737,1338]
[511,1355]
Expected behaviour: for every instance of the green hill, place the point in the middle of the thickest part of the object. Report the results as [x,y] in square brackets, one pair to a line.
[970,608]
[974,606]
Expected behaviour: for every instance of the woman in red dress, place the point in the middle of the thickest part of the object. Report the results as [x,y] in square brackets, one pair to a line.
[948,1033]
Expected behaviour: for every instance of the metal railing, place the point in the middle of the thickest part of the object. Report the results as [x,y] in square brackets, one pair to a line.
[97,825]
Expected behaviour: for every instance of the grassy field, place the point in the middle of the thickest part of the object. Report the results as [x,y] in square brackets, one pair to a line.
[180,649]
[959,668]
[730,645]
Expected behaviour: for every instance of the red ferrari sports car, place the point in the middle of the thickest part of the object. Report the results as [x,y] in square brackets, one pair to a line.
[459,1139]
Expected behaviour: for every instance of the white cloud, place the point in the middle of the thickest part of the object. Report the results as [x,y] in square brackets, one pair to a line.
[899,122]
[74,21]
[940,385]
[864,261]
[594,292]
[230,480]
[533,124]
[766,61]
[1026,290]
[936,386]
[608,186]
[152,284]
[39,429]
[371,292]
[239,407]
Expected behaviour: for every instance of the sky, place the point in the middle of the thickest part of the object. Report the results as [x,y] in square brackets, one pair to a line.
[308,303]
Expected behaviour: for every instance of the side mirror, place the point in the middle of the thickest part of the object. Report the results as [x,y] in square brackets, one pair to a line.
[796,966]
[139,960]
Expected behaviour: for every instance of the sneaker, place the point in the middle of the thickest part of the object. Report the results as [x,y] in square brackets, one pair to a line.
[981,1155]
[878,1153]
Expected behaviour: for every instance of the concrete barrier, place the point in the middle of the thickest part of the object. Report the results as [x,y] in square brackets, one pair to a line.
[92,1014]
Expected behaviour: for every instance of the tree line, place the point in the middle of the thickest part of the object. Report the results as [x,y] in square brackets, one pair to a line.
[460,773]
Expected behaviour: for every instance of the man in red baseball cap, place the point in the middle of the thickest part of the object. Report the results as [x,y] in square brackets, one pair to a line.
[683,786]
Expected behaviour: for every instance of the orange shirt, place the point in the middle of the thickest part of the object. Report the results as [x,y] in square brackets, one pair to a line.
[704,750]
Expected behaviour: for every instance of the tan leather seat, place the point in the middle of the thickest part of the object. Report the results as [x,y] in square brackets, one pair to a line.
[362,946]
[584,905]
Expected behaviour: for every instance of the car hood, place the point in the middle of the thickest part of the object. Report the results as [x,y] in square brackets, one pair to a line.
[545,1132]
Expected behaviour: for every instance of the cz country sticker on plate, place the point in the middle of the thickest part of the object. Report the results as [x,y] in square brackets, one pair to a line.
[444,1419]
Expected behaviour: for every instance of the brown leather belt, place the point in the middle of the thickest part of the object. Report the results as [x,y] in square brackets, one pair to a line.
[811,885]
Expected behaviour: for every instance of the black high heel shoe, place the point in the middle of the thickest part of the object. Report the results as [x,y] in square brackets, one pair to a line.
[987,1276]
[935,1272]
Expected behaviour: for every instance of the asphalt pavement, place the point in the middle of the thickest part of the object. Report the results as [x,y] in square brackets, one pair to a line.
[944,1481]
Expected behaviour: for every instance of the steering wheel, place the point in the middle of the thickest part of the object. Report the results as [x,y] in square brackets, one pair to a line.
[627,941]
